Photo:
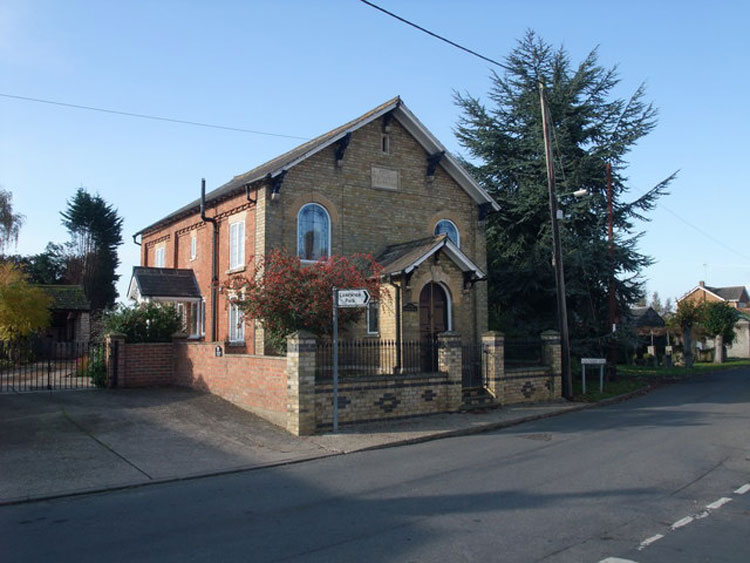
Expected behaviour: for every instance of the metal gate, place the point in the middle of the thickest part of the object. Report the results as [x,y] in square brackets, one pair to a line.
[44,365]
[474,365]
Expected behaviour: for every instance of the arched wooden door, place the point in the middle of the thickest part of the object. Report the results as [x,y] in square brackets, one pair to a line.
[433,319]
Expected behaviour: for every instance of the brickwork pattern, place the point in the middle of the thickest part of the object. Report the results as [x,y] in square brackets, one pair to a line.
[254,383]
[369,399]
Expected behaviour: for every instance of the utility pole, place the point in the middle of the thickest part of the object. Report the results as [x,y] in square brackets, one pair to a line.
[612,351]
[557,259]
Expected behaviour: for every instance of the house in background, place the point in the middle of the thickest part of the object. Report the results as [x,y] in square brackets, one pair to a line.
[650,330]
[735,296]
[70,313]
[381,184]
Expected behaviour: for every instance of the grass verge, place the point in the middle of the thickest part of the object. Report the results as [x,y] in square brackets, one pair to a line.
[632,378]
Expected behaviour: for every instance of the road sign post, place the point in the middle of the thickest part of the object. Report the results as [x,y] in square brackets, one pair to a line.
[346,299]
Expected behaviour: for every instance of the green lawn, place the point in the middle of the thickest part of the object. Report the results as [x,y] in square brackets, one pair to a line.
[632,378]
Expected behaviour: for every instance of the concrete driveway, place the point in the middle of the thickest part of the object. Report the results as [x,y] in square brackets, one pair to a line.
[74,441]
[69,442]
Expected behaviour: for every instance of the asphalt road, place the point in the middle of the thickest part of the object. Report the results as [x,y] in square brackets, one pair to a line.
[581,487]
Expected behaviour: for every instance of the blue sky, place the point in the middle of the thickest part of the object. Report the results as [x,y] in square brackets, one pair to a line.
[300,68]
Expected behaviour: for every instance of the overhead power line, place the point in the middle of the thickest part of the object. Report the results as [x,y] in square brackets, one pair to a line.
[435,35]
[152,117]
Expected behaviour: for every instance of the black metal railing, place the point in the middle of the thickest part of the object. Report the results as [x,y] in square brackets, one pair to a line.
[46,365]
[523,353]
[377,357]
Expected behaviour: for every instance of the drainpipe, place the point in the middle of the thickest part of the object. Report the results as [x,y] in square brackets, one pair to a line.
[399,351]
[214,261]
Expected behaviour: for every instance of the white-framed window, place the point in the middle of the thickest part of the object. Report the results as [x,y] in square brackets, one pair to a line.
[448,227]
[373,311]
[193,247]
[194,321]
[236,323]
[159,254]
[313,232]
[236,244]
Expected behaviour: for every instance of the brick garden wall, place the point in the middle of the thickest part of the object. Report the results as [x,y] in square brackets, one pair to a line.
[368,399]
[528,386]
[145,365]
[255,383]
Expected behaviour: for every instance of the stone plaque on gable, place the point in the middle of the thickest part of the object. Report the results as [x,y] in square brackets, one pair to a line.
[384,178]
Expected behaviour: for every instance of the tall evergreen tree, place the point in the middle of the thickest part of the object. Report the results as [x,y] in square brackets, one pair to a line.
[505,146]
[95,231]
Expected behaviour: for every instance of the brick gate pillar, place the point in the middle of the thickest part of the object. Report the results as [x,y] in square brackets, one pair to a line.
[450,362]
[300,376]
[114,356]
[493,359]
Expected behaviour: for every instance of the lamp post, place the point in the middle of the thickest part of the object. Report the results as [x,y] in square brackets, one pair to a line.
[557,260]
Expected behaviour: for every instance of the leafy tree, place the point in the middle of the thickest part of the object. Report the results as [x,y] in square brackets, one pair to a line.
[96,231]
[718,320]
[286,296]
[10,222]
[505,147]
[687,316]
[148,322]
[24,308]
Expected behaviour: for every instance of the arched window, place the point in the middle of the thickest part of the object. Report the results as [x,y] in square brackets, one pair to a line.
[447,227]
[313,232]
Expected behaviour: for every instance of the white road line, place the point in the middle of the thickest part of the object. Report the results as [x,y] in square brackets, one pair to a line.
[617,560]
[648,541]
[702,515]
[719,503]
[682,522]
[743,489]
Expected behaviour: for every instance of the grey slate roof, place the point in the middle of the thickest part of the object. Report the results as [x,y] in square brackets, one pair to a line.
[734,293]
[646,316]
[406,256]
[397,257]
[236,184]
[281,163]
[166,282]
[67,297]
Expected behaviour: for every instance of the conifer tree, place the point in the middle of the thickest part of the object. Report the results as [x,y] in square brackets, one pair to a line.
[505,152]
[96,231]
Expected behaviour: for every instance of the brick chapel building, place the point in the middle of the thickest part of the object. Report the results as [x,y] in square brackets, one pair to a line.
[381,184]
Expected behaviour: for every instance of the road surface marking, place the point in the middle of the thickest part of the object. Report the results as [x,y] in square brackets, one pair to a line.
[743,489]
[718,504]
[617,560]
[648,541]
[683,522]
[702,515]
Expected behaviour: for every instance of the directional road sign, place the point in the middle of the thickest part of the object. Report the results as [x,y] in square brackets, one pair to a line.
[353,298]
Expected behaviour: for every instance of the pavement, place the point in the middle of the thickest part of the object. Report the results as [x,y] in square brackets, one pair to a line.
[56,444]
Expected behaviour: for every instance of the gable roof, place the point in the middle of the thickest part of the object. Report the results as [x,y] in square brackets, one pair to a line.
[163,284]
[284,162]
[732,293]
[406,257]
[646,316]
[67,297]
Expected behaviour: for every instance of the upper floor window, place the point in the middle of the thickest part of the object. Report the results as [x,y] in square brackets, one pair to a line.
[236,244]
[313,232]
[447,227]
[193,247]
[159,257]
